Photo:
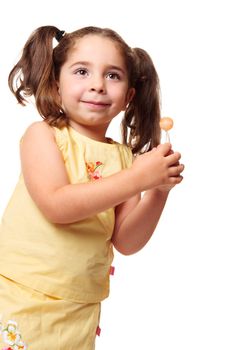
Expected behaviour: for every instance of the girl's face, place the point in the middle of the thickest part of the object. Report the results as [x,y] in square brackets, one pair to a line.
[93,85]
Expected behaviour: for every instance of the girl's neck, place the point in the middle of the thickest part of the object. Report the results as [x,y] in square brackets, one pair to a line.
[93,132]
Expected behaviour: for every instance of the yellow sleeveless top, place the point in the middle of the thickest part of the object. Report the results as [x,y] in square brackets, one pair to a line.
[67,261]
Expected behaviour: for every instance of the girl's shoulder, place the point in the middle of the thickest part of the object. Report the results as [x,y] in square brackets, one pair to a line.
[38,135]
[39,127]
[39,130]
[127,156]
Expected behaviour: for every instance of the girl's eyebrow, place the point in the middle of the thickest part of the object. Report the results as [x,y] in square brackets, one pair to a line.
[80,63]
[86,63]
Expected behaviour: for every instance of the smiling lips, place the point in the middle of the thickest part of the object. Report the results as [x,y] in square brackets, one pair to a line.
[96,104]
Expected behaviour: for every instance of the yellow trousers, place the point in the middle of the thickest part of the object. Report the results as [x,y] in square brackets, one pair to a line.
[35,321]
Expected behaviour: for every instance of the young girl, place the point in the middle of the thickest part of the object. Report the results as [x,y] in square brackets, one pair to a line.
[79,193]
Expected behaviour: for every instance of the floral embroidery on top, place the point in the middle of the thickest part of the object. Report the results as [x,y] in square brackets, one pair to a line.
[12,337]
[93,170]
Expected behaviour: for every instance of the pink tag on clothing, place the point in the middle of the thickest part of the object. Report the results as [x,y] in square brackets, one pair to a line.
[112,270]
[98,331]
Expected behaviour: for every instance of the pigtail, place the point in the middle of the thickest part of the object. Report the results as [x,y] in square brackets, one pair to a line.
[140,125]
[33,75]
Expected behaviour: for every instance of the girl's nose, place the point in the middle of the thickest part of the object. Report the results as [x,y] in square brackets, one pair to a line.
[97,84]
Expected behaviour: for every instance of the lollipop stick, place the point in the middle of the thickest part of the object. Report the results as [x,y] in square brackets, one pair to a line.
[167,137]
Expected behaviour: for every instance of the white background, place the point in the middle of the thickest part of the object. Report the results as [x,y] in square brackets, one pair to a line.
[177,293]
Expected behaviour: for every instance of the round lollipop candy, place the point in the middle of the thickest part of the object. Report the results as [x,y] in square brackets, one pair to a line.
[166,123]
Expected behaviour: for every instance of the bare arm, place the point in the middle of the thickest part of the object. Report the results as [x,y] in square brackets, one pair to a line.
[61,202]
[137,218]
[134,227]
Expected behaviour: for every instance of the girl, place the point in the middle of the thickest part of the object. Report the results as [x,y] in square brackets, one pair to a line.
[79,193]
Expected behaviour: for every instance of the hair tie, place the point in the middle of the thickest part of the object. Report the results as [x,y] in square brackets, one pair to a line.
[143,78]
[59,35]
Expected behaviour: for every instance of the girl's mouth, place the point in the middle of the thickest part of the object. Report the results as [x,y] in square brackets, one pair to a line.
[96,104]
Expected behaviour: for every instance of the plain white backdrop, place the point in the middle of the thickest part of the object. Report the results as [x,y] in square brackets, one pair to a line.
[177,293]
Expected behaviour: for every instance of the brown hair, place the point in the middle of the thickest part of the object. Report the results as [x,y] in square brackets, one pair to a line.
[37,72]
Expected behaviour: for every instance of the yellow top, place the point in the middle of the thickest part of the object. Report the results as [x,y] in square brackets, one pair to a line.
[70,261]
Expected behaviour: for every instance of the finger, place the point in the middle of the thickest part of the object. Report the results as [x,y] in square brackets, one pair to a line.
[175,180]
[173,158]
[164,148]
[170,150]
[176,170]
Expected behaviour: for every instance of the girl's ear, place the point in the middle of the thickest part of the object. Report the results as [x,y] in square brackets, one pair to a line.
[129,96]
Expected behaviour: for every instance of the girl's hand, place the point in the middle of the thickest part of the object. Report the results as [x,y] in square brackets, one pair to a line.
[158,168]
[167,188]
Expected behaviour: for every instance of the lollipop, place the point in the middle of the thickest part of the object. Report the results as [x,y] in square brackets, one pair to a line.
[166,124]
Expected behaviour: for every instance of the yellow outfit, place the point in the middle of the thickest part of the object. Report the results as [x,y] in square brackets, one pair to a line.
[55,276]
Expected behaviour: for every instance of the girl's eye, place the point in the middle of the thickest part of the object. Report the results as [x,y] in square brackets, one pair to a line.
[81,71]
[113,76]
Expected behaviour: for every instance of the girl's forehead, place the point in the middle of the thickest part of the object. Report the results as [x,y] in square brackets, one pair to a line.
[94,37]
[93,44]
